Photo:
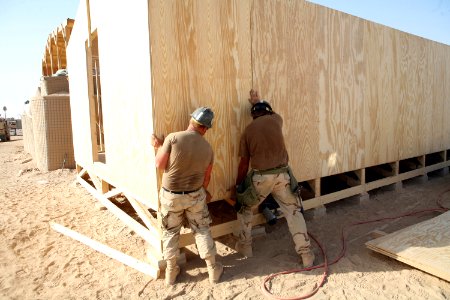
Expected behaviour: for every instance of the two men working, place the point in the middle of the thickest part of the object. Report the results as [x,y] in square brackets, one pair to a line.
[187,158]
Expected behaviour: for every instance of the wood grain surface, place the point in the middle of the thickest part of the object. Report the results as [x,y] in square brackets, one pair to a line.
[425,245]
[352,93]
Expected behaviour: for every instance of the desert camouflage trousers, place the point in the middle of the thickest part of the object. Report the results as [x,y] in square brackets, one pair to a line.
[279,186]
[175,210]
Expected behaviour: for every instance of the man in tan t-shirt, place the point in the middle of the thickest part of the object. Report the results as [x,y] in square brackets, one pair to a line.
[187,159]
[262,145]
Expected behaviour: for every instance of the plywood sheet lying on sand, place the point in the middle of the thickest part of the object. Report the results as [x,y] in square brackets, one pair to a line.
[425,246]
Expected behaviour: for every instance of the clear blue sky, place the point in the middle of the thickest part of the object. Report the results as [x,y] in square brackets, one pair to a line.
[26,24]
[24,28]
[426,18]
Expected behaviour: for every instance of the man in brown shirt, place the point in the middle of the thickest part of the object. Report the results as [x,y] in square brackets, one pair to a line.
[262,145]
[187,159]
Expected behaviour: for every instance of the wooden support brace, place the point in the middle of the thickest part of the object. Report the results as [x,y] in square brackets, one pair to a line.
[361,174]
[113,253]
[97,182]
[396,168]
[146,234]
[105,187]
[82,172]
[317,187]
[145,215]
[443,155]
[112,193]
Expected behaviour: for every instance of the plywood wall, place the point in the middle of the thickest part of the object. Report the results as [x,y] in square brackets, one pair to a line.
[124,52]
[352,93]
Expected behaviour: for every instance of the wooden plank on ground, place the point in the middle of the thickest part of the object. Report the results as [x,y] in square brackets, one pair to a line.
[113,253]
[425,246]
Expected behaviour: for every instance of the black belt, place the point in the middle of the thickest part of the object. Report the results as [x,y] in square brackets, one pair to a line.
[181,192]
[276,170]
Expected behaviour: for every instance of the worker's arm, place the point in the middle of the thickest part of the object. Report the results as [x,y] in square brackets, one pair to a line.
[242,173]
[206,182]
[242,169]
[207,176]
[161,157]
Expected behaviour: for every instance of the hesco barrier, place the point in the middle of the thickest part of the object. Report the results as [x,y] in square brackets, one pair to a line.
[54,85]
[28,137]
[52,132]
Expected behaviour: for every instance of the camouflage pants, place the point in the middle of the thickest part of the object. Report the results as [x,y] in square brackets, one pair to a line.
[279,186]
[175,209]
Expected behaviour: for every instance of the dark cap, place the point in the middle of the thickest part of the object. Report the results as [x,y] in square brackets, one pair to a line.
[262,105]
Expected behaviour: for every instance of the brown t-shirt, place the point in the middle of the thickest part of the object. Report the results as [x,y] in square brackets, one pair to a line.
[263,142]
[190,155]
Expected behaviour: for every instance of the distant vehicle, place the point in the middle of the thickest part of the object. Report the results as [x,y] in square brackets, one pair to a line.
[12,124]
[4,131]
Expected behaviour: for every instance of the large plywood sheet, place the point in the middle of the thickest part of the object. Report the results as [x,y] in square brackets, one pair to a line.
[425,246]
[282,53]
[408,116]
[342,139]
[127,98]
[201,56]
[79,96]
[381,100]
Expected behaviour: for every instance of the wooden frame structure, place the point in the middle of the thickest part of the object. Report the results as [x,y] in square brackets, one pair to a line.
[364,105]
[55,49]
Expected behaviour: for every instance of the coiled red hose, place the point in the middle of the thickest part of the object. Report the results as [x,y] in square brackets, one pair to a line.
[266,291]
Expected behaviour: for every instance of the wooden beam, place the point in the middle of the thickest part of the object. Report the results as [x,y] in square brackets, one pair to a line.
[147,218]
[95,181]
[105,186]
[112,193]
[82,171]
[113,253]
[437,166]
[317,187]
[147,235]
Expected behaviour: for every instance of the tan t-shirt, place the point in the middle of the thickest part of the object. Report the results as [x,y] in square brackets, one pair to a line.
[263,142]
[190,155]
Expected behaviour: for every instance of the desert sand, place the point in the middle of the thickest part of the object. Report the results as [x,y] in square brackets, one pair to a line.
[37,262]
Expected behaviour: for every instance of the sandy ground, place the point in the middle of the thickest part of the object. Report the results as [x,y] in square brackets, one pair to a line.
[37,262]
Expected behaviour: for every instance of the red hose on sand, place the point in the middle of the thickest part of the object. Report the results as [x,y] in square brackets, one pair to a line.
[265,290]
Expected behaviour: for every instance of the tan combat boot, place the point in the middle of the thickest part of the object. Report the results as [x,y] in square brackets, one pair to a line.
[245,250]
[172,271]
[308,259]
[215,269]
